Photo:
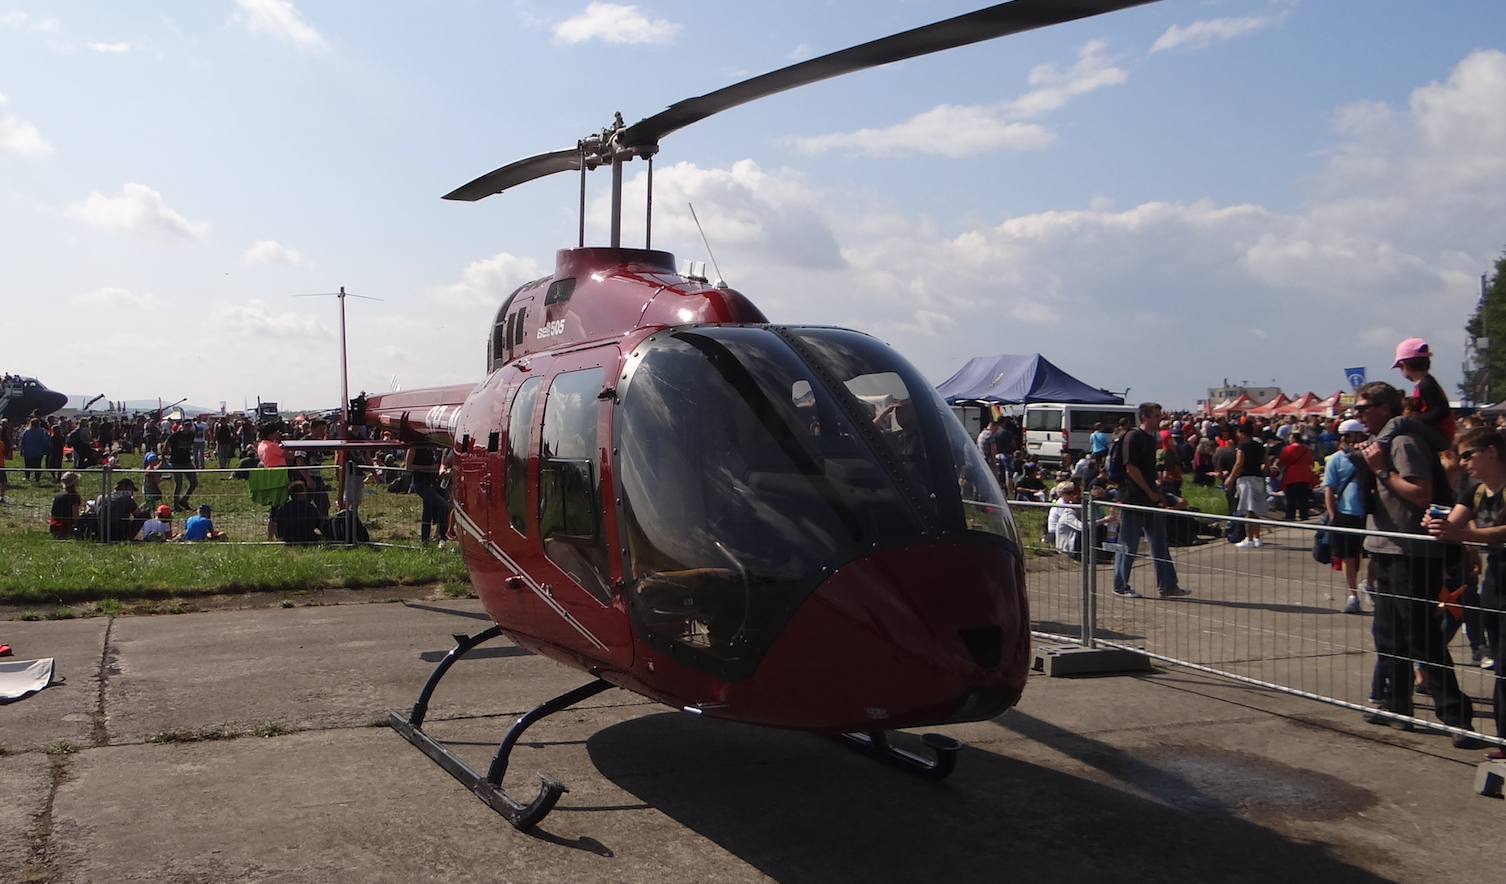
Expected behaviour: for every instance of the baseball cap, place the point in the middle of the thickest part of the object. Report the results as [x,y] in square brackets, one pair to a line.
[164,511]
[1411,348]
[150,458]
[204,508]
[1351,426]
[125,485]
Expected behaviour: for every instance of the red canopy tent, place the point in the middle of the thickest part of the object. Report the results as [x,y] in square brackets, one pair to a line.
[1331,406]
[1242,402]
[1271,407]
[1300,406]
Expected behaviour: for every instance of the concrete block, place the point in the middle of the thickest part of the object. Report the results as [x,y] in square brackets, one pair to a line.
[1057,662]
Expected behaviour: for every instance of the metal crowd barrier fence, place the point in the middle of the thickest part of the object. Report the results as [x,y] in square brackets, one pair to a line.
[387,510]
[1271,616]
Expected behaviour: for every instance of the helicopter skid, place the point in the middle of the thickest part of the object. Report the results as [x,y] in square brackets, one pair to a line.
[488,787]
[876,745]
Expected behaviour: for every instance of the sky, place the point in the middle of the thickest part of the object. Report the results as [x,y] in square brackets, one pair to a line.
[1158,199]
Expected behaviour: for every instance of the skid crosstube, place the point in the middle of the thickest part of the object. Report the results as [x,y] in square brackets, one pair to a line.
[876,745]
[489,787]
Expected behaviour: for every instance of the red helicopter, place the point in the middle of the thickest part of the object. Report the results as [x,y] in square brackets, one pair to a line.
[778,525]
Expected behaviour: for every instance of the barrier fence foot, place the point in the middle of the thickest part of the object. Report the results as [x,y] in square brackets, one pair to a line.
[1058,662]
[1489,777]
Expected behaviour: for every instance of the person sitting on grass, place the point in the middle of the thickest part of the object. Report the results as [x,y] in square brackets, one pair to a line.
[120,517]
[159,528]
[201,527]
[65,507]
[296,522]
[1063,523]
[1031,486]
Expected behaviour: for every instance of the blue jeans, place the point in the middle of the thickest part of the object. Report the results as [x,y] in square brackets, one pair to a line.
[1133,523]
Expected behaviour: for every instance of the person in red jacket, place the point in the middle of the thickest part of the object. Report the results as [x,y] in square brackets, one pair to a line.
[1297,478]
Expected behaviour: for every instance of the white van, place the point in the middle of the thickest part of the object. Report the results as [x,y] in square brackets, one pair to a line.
[1053,426]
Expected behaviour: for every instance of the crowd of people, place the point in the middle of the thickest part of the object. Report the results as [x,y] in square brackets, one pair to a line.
[1395,475]
[291,482]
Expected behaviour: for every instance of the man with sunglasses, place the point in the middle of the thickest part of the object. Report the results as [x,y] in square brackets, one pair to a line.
[1482,452]
[1408,479]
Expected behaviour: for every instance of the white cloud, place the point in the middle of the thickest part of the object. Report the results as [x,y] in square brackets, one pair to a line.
[769,218]
[946,130]
[18,136]
[138,209]
[255,320]
[280,20]
[487,283]
[614,24]
[110,47]
[1460,123]
[963,131]
[267,251]
[1055,86]
[1200,34]
[12,19]
[111,297]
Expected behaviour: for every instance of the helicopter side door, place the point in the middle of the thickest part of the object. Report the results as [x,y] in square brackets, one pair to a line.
[578,541]
[477,452]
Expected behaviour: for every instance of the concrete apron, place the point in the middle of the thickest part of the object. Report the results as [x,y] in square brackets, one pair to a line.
[1168,776]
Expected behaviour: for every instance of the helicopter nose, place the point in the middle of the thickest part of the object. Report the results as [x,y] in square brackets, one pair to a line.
[905,637]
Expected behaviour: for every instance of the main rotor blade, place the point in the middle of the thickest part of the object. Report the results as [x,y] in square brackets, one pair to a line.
[516,173]
[974,27]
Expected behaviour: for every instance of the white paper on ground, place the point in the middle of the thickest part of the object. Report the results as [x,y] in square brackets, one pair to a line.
[21,677]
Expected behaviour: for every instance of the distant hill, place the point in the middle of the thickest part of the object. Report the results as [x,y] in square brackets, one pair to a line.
[131,405]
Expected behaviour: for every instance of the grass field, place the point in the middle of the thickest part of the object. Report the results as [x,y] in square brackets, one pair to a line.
[38,569]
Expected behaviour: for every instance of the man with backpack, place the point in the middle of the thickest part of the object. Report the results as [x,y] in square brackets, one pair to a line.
[1132,465]
[1408,479]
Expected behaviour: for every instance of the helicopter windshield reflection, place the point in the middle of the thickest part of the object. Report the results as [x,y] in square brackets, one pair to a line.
[745,471]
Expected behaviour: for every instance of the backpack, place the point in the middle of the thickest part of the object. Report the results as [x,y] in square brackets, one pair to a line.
[86,526]
[1115,467]
[340,530]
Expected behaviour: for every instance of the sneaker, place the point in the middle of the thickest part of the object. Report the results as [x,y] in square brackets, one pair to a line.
[1247,543]
[1379,716]
[1353,605]
[1126,592]
[1174,592]
[1487,662]
[1465,741]
[1478,653]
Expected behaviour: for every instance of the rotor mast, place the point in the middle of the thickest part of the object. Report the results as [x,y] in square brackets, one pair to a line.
[602,148]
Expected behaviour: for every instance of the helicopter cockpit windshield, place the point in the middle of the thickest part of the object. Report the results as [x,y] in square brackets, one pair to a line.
[753,461]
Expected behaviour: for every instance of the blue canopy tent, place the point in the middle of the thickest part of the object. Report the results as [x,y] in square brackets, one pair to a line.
[1013,379]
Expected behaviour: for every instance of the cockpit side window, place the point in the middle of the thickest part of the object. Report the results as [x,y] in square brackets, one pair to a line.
[519,427]
[569,477]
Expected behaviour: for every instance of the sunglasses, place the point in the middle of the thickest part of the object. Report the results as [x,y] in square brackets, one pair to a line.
[1360,409]
[1466,455]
